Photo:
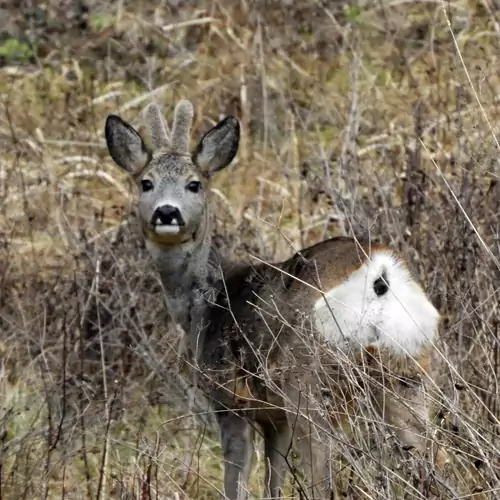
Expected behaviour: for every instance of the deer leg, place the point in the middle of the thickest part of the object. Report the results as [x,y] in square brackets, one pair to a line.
[277,442]
[313,459]
[407,413]
[306,427]
[237,436]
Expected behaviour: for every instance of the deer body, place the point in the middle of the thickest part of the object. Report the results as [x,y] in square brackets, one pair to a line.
[255,333]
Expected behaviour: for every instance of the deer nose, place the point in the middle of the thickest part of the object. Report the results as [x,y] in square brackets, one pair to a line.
[167,215]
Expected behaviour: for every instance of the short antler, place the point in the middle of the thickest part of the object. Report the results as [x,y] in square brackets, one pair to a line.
[160,134]
[183,117]
[158,128]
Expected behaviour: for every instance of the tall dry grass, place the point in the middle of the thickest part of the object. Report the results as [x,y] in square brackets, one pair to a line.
[377,118]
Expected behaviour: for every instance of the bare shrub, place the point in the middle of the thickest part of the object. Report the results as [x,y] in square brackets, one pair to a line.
[356,120]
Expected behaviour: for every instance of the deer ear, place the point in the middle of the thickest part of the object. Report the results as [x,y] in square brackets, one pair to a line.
[125,145]
[218,146]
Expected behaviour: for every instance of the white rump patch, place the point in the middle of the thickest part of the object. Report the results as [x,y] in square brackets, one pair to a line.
[167,229]
[401,318]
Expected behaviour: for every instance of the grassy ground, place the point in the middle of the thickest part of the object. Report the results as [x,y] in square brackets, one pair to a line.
[377,118]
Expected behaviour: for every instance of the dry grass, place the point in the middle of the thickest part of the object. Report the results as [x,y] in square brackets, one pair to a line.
[355,120]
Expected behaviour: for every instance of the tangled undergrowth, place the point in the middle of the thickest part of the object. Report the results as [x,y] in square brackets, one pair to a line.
[360,118]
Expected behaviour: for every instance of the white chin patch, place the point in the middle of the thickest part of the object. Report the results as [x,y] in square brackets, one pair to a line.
[167,229]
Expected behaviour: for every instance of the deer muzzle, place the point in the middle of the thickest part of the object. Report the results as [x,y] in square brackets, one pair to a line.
[167,219]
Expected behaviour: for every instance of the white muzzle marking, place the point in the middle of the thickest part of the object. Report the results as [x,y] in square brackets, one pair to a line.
[167,229]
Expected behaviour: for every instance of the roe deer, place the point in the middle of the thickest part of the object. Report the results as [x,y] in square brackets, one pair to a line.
[248,327]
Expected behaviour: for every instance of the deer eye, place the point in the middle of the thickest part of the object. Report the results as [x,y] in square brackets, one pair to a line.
[146,185]
[194,186]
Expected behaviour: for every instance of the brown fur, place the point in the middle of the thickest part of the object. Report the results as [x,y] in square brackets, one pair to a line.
[306,374]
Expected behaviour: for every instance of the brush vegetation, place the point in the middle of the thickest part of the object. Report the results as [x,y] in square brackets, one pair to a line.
[375,118]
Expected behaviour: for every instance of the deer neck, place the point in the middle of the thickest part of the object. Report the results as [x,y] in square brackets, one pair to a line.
[189,275]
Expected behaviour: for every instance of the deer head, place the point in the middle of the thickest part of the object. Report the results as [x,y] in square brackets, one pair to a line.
[172,181]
